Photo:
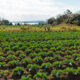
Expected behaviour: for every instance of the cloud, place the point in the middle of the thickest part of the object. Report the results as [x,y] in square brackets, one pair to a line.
[32,9]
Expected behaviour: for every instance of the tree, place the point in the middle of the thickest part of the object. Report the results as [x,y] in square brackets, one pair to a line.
[51,20]
[5,22]
[67,12]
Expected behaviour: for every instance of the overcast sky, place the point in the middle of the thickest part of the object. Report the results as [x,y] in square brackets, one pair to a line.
[18,10]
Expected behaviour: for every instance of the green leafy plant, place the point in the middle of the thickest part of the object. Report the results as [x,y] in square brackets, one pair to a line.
[22,56]
[2,72]
[38,60]
[40,75]
[26,77]
[58,64]
[13,63]
[46,65]
[69,62]
[26,60]
[10,52]
[33,68]
[11,57]
[32,55]
[42,54]
[18,71]
[2,64]
[57,73]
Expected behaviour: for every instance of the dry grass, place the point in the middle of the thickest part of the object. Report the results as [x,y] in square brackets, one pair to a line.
[58,28]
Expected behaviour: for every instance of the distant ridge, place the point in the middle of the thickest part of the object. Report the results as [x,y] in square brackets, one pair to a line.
[28,21]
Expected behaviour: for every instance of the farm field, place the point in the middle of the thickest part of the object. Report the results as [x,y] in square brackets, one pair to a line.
[39,55]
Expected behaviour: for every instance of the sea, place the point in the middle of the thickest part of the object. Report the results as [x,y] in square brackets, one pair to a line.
[28,22]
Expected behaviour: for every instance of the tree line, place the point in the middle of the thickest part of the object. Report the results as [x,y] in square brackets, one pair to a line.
[5,22]
[68,18]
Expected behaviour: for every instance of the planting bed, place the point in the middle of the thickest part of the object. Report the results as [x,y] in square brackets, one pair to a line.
[40,56]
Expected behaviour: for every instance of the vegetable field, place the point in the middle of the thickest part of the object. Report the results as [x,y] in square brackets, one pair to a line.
[40,56]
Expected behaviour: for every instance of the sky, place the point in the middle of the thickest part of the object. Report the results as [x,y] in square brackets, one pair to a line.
[31,10]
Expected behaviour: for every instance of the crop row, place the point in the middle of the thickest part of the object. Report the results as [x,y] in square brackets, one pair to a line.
[40,56]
